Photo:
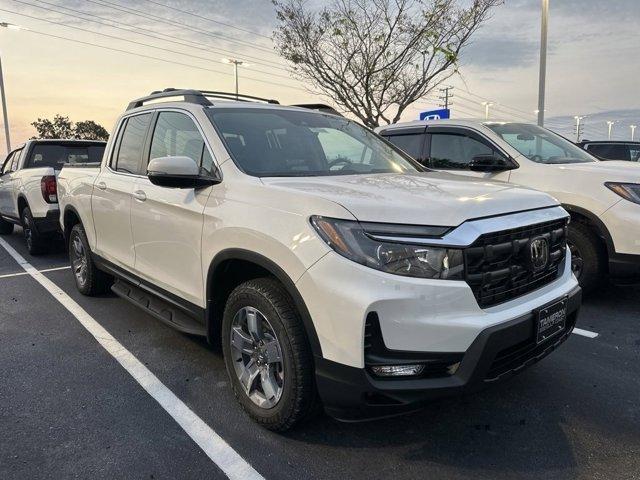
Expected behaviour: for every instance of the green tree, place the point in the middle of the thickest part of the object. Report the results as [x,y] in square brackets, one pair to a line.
[90,130]
[374,58]
[62,127]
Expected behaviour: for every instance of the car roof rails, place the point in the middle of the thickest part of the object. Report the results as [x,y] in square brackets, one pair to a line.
[321,107]
[199,97]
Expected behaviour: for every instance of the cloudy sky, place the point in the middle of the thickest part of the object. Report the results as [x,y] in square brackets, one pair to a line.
[88,58]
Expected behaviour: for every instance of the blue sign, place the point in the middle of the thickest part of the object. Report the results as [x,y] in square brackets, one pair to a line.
[435,114]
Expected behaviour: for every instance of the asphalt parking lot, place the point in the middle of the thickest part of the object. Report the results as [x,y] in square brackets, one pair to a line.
[68,408]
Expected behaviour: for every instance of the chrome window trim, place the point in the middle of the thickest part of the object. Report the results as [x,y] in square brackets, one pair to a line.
[465,234]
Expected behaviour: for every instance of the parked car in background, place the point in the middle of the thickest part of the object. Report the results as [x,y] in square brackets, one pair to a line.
[28,194]
[612,150]
[603,198]
[325,261]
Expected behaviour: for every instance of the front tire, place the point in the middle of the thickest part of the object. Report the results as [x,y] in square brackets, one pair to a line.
[36,243]
[588,256]
[6,228]
[89,280]
[267,355]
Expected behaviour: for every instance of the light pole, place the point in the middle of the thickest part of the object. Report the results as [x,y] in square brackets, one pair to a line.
[578,120]
[2,93]
[609,128]
[543,61]
[633,131]
[235,64]
[486,109]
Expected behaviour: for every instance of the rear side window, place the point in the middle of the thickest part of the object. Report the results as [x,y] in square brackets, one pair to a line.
[610,151]
[131,143]
[411,144]
[175,134]
[56,156]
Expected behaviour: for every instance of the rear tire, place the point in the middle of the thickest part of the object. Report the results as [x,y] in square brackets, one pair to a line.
[89,280]
[588,256]
[6,228]
[36,243]
[275,394]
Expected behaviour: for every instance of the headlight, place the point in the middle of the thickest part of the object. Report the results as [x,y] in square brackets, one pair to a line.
[350,240]
[628,191]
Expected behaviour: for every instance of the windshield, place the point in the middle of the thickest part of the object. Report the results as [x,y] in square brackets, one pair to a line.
[56,156]
[286,143]
[539,144]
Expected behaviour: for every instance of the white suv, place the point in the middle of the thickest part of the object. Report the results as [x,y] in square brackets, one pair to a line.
[603,198]
[326,262]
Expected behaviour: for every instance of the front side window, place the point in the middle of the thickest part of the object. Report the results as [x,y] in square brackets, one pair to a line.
[132,144]
[539,144]
[455,151]
[409,143]
[175,134]
[274,142]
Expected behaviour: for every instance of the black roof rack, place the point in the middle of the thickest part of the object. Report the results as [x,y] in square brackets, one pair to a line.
[321,107]
[200,97]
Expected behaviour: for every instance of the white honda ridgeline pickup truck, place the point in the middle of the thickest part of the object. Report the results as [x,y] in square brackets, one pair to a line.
[28,194]
[329,265]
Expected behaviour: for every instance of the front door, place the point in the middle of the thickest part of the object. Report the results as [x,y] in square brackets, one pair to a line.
[167,222]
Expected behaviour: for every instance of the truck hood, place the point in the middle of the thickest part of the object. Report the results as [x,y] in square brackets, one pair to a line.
[430,198]
[611,170]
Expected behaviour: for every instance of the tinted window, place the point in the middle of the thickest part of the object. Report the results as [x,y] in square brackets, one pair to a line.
[176,134]
[411,144]
[610,151]
[56,156]
[455,151]
[274,142]
[132,144]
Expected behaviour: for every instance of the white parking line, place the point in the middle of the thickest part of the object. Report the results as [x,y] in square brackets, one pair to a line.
[222,454]
[585,333]
[18,274]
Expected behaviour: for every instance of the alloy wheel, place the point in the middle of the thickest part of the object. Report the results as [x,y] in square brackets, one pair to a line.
[257,357]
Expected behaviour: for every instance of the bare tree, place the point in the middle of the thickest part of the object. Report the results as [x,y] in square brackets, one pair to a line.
[374,58]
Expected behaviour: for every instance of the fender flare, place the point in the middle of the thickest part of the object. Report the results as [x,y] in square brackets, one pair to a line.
[601,228]
[276,271]
[66,230]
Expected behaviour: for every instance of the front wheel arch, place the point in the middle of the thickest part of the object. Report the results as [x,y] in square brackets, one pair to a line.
[242,265]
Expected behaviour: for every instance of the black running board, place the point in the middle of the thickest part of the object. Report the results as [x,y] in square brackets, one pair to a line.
[161,309]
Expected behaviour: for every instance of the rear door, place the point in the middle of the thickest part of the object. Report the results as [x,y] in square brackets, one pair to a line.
[452,149]
[113,189]
[167,222]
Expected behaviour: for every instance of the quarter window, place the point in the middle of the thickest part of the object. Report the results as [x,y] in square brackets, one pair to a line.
[176,134]
[6,168]
[132,144]
[455,151]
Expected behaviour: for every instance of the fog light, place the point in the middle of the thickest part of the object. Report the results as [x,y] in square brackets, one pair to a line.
[452,369]
[397,370]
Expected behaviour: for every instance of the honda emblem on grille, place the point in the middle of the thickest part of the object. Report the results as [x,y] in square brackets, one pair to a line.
[539,253]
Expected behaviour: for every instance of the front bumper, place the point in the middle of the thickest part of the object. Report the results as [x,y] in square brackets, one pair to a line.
[498,352]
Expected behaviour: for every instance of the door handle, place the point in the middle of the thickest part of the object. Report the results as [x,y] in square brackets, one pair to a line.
[101,185]
[140,195]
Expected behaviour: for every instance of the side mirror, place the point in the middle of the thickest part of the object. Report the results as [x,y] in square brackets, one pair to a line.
[489,163]
[178,172]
